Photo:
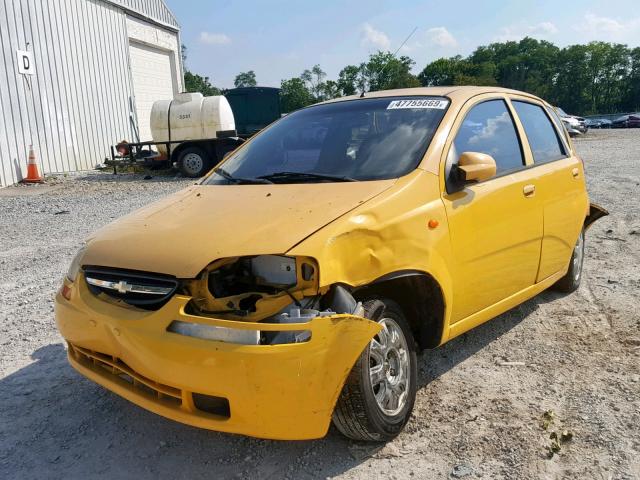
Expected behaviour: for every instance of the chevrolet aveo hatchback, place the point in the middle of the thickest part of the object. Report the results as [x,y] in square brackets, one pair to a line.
[294,284]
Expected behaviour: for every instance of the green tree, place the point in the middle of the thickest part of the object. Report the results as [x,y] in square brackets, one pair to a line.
[598,77]
[527,65]
[594,78]
[348,80]
[608,67]
[314,79]
[330,89]
[632,95]
[194,82]
[444,71]
[572,80]
[384,71]
[245,79]
[294,95]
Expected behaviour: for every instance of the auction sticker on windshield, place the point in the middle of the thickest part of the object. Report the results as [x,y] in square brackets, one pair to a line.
[416,103]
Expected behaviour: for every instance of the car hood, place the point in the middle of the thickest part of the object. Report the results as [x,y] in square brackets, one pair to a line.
[181,234]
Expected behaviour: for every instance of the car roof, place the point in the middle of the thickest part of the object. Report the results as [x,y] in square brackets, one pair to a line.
[455,93]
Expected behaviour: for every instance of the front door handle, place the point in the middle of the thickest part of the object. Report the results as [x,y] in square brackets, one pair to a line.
[575,172]
[529,190]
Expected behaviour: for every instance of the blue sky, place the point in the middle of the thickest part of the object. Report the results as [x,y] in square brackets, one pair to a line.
[280,38]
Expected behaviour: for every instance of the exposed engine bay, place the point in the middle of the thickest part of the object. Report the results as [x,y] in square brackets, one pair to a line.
[264,288]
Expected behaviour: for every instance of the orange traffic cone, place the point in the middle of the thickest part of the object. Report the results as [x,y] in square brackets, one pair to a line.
[33,175]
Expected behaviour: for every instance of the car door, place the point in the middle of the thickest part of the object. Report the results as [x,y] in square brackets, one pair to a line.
[495,225]
[560,185]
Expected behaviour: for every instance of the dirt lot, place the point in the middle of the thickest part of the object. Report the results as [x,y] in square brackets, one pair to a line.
[475,417]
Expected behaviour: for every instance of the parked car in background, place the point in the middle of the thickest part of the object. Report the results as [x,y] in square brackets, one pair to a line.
[627,121]
[295,283]
[597,123]
[575,125]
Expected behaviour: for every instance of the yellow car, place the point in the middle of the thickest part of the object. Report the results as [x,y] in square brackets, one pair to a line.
[294,284]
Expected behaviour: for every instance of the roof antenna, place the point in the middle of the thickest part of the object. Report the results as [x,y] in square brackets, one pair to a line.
[394,54]
[405,40]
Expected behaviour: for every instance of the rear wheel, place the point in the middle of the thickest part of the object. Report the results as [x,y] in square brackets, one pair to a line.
[193,162]
[571,281]
[378,396]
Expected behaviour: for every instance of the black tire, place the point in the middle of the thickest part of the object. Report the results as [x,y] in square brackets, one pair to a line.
[358,414]
[571,281]
[194,162]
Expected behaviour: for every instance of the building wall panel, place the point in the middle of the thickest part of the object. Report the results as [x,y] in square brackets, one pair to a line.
[154,9]
[80,100]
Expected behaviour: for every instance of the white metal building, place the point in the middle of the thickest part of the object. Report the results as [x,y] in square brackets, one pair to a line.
[77,76]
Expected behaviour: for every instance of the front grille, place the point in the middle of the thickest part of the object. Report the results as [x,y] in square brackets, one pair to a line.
[159,392]
[144,290]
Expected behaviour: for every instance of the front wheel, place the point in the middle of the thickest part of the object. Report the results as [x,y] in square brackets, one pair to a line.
[378,395]
[571,281]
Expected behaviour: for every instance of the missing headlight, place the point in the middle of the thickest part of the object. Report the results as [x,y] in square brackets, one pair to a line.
[267,274]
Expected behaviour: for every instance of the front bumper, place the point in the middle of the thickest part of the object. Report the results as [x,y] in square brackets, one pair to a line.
[273,391]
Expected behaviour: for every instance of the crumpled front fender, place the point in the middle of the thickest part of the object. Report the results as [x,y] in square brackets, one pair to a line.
[285,391]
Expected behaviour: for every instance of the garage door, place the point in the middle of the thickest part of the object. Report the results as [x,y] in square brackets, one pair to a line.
[153,79]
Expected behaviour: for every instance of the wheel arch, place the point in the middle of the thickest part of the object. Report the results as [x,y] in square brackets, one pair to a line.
[421,298]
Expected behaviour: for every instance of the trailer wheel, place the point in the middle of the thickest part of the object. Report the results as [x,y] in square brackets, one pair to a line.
[193,162]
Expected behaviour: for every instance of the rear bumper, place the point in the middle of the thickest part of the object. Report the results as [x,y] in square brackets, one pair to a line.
[273,391]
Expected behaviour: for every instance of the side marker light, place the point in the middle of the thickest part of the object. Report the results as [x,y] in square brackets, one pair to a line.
[66,292]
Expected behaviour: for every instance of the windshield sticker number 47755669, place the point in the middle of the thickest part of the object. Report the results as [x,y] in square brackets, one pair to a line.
[418,103]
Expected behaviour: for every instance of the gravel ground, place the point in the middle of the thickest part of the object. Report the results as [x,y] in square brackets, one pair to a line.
[577,356]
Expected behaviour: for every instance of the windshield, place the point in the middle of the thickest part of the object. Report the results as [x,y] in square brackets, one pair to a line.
[561,112]
[369,139]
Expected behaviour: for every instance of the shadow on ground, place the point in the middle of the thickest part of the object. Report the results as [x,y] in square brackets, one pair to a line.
[54,423]
[163,176]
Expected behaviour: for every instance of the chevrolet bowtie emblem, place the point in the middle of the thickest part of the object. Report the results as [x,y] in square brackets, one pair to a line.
[122,287]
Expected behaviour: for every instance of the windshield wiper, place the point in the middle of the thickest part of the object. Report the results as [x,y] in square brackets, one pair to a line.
[305,176]
[227,176]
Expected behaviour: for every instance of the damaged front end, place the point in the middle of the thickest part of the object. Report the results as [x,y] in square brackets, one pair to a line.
[266,288]
[251,346]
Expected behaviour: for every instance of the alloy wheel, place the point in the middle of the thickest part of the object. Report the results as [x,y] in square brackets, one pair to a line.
[389,367]
[578,254]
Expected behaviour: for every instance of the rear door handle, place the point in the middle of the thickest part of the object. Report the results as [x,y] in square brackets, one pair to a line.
[529,190]
[575,172]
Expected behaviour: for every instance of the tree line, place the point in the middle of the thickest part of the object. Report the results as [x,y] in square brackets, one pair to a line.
[598,77]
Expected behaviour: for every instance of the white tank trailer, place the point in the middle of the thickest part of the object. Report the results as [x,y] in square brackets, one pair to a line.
[203,126]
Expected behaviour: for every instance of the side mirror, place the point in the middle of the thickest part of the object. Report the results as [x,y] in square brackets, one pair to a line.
[475,166]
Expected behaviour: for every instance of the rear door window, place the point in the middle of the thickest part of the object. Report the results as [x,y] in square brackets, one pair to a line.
[544,140]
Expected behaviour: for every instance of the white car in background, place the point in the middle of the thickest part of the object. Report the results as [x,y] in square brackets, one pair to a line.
[574,125]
